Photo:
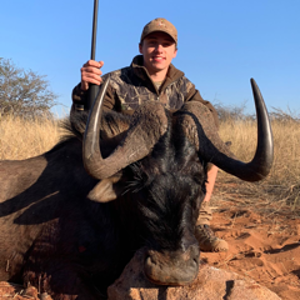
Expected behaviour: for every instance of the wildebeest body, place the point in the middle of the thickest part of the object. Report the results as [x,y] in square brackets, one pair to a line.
[53,235]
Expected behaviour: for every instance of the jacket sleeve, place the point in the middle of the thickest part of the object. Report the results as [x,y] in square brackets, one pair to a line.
[81,97]
[194,95]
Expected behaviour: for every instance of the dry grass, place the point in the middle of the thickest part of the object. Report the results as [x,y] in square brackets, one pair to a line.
[283,183]
[21,139]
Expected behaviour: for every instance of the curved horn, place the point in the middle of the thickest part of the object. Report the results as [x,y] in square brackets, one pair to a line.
[149,123]
[210,146]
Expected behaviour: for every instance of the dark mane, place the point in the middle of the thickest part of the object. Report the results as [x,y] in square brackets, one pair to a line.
[74,125]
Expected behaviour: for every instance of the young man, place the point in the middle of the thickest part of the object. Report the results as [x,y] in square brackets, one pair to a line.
[152,77]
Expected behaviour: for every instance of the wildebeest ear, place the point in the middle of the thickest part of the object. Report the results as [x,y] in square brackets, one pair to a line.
[106,190]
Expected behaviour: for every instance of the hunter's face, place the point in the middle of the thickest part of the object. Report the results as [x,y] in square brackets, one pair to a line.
[158,50]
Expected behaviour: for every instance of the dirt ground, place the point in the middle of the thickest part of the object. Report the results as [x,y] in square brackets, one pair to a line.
[264,241]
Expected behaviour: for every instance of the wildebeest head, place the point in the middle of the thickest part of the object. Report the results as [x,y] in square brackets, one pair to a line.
[158,167]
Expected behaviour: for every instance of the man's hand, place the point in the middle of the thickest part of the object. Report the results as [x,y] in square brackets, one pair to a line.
[91,73]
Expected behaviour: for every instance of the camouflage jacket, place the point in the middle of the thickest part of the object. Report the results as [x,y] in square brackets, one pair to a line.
[131,86]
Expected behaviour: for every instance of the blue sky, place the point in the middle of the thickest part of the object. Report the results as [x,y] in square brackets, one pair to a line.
[222,44]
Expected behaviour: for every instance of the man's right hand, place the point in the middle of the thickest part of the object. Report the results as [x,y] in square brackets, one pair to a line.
[91,73]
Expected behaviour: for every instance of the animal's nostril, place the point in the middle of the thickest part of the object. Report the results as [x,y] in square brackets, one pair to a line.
[150,261]
[195,263]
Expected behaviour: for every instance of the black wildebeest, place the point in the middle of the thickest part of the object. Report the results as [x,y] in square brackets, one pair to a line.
[146,176]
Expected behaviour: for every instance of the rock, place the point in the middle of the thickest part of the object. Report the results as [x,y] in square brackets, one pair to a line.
[211,284]
[12,291]
[9,290]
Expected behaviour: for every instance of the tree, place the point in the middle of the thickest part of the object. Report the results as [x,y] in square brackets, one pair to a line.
[24,93]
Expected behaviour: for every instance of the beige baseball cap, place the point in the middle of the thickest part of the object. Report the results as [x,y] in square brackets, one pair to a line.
[160,24]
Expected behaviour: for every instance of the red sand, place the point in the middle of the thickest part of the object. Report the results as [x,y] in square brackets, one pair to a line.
[264,245]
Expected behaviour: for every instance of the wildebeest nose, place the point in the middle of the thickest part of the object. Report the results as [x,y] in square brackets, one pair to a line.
[165,269]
